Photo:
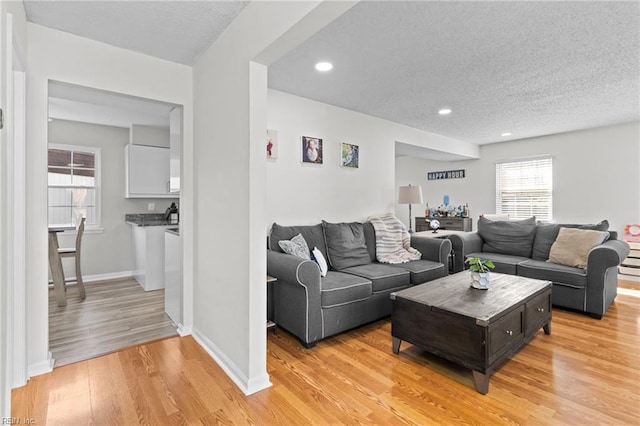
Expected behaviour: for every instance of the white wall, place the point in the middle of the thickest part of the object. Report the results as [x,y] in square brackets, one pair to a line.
[109,252]
[59,56]
[230,106]
[595,175]
[300,193]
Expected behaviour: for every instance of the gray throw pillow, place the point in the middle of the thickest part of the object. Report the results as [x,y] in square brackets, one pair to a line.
[546,234]
[297,246]
[513,237]
[346,245]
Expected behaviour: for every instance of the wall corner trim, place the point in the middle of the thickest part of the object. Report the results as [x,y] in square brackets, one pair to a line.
[247,385]
[41,367]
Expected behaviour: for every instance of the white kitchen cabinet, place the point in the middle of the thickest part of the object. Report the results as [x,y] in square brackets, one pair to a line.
[175,152]
[173,275]
[147,172]
[148,256]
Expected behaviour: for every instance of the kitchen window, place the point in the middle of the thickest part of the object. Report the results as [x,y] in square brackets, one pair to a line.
[74,185]
[524,188]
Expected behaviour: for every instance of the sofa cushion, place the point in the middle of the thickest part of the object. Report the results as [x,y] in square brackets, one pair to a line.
[297,246]
[339,289]
[575,277]
[513,237]
[422,271]
[370,239]
[383,277]
[313,235]
[572,246]
[505,264]
[346,244]
[546,234]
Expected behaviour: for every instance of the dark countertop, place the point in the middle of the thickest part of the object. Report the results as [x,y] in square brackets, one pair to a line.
[147,219]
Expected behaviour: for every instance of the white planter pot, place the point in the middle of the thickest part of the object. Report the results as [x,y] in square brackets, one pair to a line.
[480,280]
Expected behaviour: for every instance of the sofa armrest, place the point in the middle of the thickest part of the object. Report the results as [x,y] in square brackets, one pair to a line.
[297,295]
[434,249]
[463,244]
[602,275]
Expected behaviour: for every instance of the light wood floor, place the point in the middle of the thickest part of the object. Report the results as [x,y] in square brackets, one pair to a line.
[586,372]
[114,315]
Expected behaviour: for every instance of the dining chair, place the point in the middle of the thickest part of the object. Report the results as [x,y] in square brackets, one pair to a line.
[75,253]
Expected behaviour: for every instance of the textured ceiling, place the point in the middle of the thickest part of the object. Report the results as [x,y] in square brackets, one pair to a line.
[529,68]
[179,31]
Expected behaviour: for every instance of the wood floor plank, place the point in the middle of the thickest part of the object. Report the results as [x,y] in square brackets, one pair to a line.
[114,315]
[586,373]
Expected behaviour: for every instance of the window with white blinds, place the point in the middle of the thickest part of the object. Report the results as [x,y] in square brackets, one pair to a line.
[74,185]
[524,188]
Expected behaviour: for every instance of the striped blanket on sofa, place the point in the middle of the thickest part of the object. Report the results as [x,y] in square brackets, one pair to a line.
[393,243]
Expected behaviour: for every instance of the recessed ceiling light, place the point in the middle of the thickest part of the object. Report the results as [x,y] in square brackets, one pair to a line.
[444,111]
[324,66]
[505,134]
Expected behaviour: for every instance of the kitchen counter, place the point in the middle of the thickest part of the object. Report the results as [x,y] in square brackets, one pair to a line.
[147,219]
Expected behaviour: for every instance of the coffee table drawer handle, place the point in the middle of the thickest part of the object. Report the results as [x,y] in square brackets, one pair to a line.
[509,332]
[540,309]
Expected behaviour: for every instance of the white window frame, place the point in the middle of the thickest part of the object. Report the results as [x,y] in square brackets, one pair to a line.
[96,151]
[543,161]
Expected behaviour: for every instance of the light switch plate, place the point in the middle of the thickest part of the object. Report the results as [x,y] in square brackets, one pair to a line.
[151,207]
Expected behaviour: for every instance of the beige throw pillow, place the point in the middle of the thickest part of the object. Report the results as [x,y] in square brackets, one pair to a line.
[572,246]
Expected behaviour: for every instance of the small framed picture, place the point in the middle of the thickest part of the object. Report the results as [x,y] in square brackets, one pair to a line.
[350,155]
[311,150]
[272,144]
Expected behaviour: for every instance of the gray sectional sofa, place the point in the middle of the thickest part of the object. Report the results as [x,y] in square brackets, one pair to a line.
[355,290]
[523,247]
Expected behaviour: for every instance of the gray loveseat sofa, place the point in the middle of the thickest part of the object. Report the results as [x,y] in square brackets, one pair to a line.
[522,248]
[355,290]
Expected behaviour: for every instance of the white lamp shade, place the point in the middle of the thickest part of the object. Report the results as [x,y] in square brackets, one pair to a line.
[410,195]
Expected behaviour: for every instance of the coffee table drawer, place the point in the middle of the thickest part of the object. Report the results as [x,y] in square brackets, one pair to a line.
[505,332]
[538,312]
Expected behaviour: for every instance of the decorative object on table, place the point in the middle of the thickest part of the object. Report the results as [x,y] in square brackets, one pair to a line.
[447,174]
[435,225]
[311,150]
[479,270]
[445,200]
[427,212]
[410,195]
[350,155]
[272,144]
[450,210]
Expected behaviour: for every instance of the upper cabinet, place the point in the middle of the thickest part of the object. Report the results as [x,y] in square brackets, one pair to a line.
[147,172]
[175,140]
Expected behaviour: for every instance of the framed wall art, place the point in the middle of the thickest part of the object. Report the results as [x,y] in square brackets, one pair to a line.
[311,150]
[349,155]
[272,144]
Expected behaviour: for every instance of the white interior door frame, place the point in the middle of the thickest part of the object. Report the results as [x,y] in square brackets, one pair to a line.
[15,225]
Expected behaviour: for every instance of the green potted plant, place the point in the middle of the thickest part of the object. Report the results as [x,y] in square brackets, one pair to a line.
[479,269]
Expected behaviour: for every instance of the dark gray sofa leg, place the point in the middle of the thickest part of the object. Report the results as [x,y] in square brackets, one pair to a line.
[309,345]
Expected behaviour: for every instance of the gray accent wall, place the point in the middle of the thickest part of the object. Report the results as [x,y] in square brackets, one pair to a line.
[107,252]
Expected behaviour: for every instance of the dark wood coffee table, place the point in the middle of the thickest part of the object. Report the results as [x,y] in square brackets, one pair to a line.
[478,329]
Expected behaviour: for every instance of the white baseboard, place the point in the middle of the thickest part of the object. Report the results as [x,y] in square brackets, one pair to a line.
[184,331]
[41,367]
[246,385]
[89,279]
